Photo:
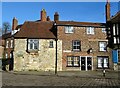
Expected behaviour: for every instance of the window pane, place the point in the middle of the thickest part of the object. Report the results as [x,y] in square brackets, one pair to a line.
[105,62]
[11,44]
[76,61]
[51,44]
[114,32]
[68,29]
[76,45]
[99,62]
[33,44]
[102,46]
[69,61]
[104,30]
[90,30]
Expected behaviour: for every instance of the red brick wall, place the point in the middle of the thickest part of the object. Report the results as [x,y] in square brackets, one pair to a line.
[87,41]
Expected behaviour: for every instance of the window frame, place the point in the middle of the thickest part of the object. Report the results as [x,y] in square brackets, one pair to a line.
[103,62]
[51,44]
[7,43]
[73,61]
[32,44]
[90,30]
[76,50]
[67,29]
[11,43]
[104,30]
[105,47]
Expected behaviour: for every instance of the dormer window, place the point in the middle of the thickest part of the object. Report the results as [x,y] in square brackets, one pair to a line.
[69,29]
[33,44]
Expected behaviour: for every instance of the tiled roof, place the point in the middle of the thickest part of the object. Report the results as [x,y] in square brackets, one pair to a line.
[8,35]
[74,23]
[32,29]
[116,17]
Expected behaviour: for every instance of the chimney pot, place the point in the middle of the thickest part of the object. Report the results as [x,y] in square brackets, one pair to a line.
[56,16]
[48,18]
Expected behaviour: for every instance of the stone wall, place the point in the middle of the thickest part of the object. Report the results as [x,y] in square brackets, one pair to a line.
[43,60]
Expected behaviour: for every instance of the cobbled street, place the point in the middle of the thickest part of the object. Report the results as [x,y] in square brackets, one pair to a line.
[76,79]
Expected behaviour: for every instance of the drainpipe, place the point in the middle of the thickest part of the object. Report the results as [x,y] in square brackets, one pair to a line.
[56,58]
[56,39]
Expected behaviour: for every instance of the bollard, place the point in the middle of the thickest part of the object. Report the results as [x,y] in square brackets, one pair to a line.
[104,72]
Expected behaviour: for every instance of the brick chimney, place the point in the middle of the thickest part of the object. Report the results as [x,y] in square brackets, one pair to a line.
[43,15]
[56,16]
[107,7]
[14,23]
[48,18]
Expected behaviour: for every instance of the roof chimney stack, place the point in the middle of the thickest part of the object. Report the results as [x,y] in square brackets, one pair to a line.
[56,16]
[14,23]
[48,18]
[107,10]
[43,15]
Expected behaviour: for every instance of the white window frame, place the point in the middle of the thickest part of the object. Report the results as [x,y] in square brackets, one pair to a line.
[76,45]
[117,29]
[115,40]
[73,61]
[114,31]
[33,44]
[103,62]
[104,30]
[11,46]
[7,44]
[102,46]
[69,29]
[90,30]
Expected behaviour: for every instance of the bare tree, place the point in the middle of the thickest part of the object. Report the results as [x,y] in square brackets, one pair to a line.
[0,31]
[6,27]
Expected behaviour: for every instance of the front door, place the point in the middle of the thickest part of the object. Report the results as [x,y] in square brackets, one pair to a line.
[89,63]
[83,65]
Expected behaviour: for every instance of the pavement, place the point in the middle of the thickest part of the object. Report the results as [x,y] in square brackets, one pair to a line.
[110,74]
[63,79]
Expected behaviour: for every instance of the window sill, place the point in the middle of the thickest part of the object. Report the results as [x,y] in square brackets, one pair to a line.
[76,50]
[32,51]
[102,68]
[72,66]
[51,47]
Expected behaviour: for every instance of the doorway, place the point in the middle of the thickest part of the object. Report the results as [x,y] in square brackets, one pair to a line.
[85,63]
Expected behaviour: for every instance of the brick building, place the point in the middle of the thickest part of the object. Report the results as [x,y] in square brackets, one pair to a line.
[62,45]
[84,45]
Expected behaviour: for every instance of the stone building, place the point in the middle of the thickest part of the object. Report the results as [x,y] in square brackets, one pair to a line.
[35,46]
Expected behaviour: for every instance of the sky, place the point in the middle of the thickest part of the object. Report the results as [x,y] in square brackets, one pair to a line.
[68,11]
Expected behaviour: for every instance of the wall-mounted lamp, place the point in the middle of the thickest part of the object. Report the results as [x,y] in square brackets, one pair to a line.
[90,51]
